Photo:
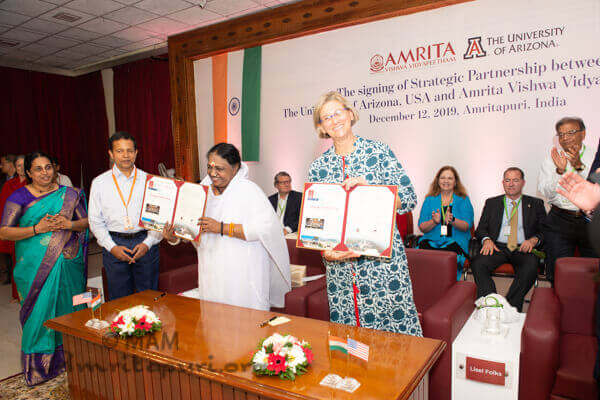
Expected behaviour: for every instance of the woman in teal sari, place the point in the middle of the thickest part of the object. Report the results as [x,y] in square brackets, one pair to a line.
[48,222]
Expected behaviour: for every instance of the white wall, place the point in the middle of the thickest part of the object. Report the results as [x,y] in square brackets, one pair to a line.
[481,145]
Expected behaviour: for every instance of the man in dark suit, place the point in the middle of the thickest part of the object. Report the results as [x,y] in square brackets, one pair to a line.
[286,202]
[509,228]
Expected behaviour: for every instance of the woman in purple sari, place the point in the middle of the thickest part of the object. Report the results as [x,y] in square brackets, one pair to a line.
[49,224]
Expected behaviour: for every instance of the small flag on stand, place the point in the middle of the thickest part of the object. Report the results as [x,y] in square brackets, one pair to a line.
[358,349]
[82,298]
[339,344]
[96,302]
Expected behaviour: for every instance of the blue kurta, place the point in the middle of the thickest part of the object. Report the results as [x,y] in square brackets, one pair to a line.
[385,301]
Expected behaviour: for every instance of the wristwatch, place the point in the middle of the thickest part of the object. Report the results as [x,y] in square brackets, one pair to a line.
[580,168]
[558,171]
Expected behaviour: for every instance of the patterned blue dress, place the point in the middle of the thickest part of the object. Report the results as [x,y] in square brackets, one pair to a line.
[385,301]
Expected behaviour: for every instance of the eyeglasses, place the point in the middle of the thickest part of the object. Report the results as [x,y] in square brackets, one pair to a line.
[338,113]
[568,134]
[284,182]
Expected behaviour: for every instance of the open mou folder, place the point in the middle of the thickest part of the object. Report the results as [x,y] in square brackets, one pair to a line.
[360,219]
[174,201]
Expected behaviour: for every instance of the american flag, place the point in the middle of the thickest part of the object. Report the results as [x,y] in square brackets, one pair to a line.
[358,349]
[82,298]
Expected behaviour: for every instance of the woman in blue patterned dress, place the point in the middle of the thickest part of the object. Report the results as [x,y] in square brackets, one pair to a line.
[384,299]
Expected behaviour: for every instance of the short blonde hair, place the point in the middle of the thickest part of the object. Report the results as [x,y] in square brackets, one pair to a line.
[326,98]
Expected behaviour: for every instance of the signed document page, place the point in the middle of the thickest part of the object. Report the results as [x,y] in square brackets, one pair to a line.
[159,202]
[176,202]
[190,207]
[322,216]
[370,220]
[360,219]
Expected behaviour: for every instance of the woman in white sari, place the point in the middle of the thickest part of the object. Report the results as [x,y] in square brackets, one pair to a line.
[242,254]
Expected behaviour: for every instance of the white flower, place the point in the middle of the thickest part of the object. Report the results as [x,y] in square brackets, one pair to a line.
[295,356]
[260,359]
[273,339]
[129,328]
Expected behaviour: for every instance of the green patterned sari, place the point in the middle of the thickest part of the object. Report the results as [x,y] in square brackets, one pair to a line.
[50,268]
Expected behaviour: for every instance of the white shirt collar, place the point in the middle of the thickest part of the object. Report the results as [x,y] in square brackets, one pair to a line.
[118,174]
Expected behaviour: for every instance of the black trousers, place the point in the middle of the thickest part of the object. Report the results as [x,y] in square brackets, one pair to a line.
[525,265]
[425,244]
[562,234]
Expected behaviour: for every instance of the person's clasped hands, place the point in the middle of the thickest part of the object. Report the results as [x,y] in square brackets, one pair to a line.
[53,223]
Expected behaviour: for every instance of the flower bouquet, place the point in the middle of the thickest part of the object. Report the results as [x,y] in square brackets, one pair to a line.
[284,356]
[135,321]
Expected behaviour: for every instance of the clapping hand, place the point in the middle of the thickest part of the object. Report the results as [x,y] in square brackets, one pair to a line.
[559,159]
[448,216]
[436,216]
[582,193]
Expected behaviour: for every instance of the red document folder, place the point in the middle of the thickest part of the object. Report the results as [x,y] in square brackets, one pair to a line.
[334,220]
[150,215]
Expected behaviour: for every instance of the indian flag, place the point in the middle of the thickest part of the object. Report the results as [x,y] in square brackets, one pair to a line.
[339,344]
[96,302]
[228,101]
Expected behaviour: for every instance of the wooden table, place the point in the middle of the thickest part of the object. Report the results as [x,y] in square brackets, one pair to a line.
[204,348]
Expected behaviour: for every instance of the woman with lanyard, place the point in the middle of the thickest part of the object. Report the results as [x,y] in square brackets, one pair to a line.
[364,291]
[447,216]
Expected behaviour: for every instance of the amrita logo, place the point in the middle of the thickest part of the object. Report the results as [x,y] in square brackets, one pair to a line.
[474,49]
[376,63]
[415,57]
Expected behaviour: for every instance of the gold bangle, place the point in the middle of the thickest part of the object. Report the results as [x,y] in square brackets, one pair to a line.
[231,229]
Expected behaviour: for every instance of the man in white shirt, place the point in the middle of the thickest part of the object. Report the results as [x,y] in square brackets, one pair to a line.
[565,226]
[130,253]
[286,202]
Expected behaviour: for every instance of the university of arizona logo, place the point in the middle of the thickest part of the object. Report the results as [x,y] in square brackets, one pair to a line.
[474,49]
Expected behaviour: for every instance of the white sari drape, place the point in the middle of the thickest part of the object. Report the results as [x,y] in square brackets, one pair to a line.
[252,273]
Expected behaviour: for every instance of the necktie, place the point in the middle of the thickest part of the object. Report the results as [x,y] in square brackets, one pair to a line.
[512,238]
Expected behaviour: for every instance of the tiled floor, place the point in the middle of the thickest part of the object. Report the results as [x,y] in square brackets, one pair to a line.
[10,331]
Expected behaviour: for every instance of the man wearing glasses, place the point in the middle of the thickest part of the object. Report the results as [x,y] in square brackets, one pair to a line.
[565,226]
[286,202]
[509,229]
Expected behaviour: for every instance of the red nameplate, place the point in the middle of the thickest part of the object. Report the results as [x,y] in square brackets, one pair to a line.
[486,371]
